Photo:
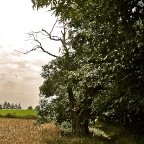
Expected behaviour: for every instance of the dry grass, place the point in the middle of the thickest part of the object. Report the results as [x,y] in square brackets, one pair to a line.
[17,131]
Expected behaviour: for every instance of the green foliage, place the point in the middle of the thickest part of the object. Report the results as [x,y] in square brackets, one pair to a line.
[37,107]
[55,110]
[66,128]
[103,62]
[30,108]
[1,106]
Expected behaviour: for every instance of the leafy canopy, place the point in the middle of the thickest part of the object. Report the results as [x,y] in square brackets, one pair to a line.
[105,48]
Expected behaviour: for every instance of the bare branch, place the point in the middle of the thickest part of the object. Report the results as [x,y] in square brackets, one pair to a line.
[39,44]
[35,48]
[33,36]
[55,38]
[54,26]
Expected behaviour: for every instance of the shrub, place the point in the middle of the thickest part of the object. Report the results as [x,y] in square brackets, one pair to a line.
[66,128]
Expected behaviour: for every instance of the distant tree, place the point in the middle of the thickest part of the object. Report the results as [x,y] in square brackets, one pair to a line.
[8,105]
[37,108]
[1,106]
[12,106]
[19,106]
[5,105]
[15,106]
[30,108]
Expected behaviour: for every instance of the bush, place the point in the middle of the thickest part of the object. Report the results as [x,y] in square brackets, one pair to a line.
[66,128]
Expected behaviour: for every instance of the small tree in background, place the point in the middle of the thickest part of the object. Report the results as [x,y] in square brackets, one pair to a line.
[30,108]
[1,106]
[19,106]
[15,106]
[8,105]
[37,108]
[12,106]
[5,105]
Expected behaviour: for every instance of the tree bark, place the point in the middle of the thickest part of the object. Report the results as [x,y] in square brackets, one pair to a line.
[72,109]
[81,114]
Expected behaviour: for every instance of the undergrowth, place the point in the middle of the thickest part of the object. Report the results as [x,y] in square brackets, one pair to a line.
[103,133]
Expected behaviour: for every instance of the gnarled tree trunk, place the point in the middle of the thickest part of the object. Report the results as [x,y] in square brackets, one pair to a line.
[81,114]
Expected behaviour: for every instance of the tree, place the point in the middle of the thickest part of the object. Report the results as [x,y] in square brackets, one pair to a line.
[69,66]
[30,108]
[15,106]
[5,105]
[19,106]
[37,108]
[104,60]
[8,106]
[1,106]
[12,106]
[62,79]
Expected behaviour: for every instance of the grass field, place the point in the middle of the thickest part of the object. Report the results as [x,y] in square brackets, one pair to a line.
[19,112]
[22,131]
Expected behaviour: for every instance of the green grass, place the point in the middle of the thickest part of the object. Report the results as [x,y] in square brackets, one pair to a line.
[19,112]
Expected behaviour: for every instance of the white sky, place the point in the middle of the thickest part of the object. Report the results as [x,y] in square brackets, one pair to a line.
[20,74]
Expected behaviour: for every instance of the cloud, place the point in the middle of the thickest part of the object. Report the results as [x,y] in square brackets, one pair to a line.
[19,78]
[20,74]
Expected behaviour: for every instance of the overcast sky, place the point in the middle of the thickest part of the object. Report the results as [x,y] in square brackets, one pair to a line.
[20,74]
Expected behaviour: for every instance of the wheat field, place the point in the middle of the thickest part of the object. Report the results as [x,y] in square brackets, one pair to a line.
[20,131]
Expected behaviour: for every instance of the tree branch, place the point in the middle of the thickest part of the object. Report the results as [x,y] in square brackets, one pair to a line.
[35,48]
[55,38]
[53,26]
[33,36]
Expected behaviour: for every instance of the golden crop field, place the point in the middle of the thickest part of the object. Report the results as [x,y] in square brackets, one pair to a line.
[20,131]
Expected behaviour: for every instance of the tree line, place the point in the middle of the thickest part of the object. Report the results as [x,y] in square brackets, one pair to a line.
[7,105]
[99,73]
